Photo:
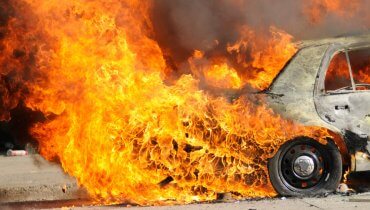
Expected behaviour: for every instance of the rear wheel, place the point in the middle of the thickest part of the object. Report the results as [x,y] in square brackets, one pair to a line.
[304,167]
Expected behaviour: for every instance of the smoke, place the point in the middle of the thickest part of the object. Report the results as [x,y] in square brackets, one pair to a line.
[19,43]
[310,19]
[185,25]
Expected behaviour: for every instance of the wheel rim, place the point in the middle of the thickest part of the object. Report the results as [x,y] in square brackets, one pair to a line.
[303,166]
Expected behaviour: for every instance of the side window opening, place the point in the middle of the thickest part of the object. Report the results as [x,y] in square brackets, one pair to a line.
[338,76]
[348,71]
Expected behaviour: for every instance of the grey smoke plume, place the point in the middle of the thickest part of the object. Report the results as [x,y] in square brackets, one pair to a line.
[184,25]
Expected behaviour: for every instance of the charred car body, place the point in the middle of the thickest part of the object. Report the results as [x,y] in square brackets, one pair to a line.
[325,84]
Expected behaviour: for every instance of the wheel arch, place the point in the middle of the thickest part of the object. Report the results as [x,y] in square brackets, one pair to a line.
[339,141]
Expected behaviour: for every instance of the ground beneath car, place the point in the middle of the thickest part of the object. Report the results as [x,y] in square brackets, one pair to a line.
[32,182]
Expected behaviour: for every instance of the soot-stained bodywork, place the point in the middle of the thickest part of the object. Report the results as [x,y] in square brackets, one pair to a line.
[298,93]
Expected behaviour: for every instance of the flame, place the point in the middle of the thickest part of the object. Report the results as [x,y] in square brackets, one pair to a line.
[345,175]
[217,73]
[223,73]
[115,124]
[262,57]
[363,75]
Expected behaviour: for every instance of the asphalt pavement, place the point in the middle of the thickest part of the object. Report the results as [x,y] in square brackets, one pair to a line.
[32,178]
[30,182]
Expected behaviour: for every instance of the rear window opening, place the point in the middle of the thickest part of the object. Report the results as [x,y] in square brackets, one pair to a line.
[349,71]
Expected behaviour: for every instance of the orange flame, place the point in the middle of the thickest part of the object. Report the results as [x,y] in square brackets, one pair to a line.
[268,53]
[217,73]
[364,75]
[125,134]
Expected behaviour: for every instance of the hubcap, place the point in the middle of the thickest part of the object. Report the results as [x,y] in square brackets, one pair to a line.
[304,166]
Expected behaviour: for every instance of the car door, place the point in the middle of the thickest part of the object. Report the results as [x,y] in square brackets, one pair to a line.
[345,101]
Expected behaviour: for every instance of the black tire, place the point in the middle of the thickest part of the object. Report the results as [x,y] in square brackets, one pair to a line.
[285,166]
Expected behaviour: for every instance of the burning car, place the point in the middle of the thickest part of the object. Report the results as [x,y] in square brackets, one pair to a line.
[143,106]
[326,84]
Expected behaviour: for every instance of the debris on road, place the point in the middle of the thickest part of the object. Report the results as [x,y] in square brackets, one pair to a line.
[64,188]
[226,197]
[344,189]
[16,153]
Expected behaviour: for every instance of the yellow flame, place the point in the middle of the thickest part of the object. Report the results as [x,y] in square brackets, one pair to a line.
[125,134]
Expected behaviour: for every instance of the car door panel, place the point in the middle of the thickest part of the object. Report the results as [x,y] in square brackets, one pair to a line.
[347,111]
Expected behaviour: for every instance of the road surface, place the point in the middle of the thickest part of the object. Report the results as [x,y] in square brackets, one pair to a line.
[32,178]
[30,182]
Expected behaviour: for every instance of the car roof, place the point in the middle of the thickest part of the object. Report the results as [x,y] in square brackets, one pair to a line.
[350,41]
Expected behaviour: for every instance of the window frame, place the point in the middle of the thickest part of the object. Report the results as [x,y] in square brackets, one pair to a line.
[348,60]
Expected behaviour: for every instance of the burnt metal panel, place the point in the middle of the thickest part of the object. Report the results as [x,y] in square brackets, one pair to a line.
[291,94]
